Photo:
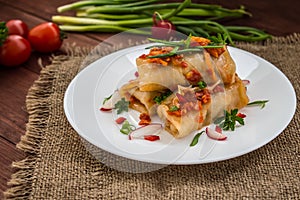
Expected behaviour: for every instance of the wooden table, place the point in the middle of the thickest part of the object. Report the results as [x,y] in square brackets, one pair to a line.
[277,17]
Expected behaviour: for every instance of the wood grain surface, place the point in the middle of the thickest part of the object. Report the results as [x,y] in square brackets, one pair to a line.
[277,17]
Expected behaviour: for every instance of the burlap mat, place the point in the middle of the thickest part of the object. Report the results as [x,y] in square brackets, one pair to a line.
[59,167]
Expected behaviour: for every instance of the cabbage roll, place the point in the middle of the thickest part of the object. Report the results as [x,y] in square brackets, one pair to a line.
[192,108]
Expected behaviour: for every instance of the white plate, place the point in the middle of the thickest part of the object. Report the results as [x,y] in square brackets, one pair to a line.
[87,90]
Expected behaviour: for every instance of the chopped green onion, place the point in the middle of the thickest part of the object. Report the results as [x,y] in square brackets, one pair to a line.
[162,97]
[202,84]
[173,108]
[127,128]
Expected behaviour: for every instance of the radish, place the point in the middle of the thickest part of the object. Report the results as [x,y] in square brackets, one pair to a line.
[246,82]
[151,137]
[213,134]
[162,29]
[148,132]
[108,103]
[120,120]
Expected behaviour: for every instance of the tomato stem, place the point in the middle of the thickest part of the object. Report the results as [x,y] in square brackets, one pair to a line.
[62,34]
[3,32]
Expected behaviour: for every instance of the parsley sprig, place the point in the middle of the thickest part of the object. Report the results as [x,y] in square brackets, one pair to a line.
[229,120]
[122,105]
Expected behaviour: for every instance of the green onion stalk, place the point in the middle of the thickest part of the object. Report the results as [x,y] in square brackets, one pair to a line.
[128,15]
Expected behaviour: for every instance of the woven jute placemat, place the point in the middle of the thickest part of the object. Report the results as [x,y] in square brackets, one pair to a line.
[58,166]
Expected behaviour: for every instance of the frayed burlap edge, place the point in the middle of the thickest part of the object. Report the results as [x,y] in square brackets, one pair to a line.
[37,106]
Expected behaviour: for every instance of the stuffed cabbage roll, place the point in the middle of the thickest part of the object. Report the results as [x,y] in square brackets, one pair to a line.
[187,85]
[192,108]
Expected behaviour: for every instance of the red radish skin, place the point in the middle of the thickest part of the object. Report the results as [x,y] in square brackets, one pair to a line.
[136,74]
[151,137]
[106,109]
[246,82]
[143,132]
[162,29]
[108,105]
[218,129]
[120,120]
[241,115]
[215,135]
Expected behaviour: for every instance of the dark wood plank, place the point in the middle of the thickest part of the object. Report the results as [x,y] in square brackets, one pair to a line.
[46,10]
[14,85]
[9,153]
[276,17]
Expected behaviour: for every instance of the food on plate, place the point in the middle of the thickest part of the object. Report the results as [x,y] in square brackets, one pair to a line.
[187,83]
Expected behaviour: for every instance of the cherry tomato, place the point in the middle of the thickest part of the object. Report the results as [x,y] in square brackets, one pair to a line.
[14,51]
[17,27]
[45,37]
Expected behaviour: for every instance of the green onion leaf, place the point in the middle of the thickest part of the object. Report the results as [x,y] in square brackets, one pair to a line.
[106,99]
[196,139]
[261,103]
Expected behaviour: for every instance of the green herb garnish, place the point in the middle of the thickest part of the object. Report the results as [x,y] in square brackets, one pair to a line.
[196,139]
[173,108]
[106,99]
[202,85]
[228,121]
[127,128]
[162,97]
[122,105]
[261,103]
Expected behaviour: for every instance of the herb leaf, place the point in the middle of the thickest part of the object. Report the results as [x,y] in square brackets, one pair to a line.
[196,139]
[229,120]
[122,105]
[261,103]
